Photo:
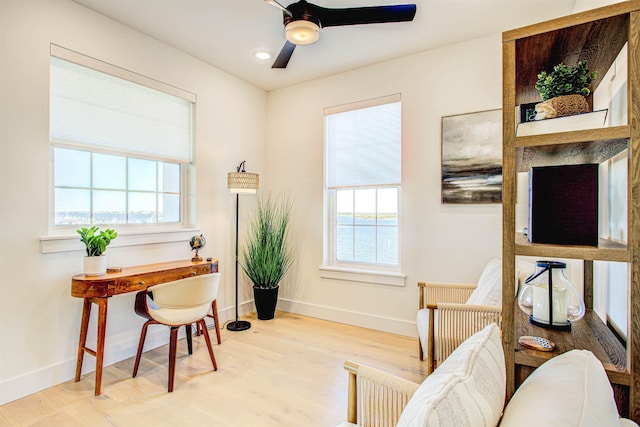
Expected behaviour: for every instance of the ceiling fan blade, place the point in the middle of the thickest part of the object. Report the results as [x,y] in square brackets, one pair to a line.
[284,56]
[365,15]
[279,6]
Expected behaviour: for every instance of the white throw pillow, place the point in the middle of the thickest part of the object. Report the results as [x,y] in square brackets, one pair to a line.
[489,289]
[468,389]
[569,390]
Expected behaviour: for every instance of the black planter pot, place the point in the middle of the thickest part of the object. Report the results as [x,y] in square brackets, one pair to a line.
[266,300]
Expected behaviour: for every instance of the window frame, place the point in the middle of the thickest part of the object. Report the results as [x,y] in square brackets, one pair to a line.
[358,271]
[62,238]
[184,175]
[332,222]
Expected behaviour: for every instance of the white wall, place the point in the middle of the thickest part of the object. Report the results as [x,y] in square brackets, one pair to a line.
[582,5]
[439,242]
[39,320]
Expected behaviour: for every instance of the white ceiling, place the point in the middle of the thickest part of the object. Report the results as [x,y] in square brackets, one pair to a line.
[226,33]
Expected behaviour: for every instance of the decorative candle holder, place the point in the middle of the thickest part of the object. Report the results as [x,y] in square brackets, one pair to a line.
[549,298]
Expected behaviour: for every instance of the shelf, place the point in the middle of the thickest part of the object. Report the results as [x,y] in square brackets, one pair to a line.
[570,148]
[589,333]
[608,135]
[607,250]
[593,120]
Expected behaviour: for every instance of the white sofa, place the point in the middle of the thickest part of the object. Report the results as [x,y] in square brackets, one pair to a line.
[468,389]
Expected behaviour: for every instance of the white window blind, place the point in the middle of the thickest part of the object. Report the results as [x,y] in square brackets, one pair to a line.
[363,143]
[92,109]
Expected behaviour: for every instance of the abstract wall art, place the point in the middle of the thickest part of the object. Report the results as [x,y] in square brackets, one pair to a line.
[472,157]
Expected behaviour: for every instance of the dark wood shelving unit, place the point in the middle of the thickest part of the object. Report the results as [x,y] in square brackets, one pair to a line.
[597,36]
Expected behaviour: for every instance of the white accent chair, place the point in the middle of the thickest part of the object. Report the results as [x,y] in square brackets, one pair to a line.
[449,313]
[175,304]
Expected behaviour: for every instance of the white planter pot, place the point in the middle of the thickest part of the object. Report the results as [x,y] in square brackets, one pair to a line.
[95,265]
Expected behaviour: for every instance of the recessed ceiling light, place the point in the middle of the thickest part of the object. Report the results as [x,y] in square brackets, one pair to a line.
[263,54]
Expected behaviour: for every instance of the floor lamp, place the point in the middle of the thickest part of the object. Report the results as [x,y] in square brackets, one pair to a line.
[240,182]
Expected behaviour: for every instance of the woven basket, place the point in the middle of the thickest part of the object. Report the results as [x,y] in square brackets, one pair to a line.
[567,105]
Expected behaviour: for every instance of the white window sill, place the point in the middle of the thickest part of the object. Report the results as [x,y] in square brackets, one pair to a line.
[54,244]
[365,276]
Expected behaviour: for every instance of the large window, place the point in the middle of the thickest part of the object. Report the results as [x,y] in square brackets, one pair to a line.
[121,145]
[363,177]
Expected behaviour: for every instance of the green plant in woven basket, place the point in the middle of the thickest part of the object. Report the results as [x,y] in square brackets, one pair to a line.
[94,242]
[267,255]
[565,80]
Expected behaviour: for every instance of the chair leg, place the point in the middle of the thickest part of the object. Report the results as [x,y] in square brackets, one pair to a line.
[187,331]
[173,343]
[214,308]
[205,332]
[143,335]
[214,315]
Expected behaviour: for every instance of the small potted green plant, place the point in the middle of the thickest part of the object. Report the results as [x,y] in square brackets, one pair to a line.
[267,255]
[563,90]
[565,80]
[95,263]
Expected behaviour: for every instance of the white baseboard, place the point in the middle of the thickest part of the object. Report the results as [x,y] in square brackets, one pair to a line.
[117,348]
[350,317]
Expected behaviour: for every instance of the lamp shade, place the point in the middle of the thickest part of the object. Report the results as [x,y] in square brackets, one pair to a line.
[243,182]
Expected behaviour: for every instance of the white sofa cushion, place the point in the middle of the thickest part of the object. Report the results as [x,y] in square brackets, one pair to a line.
[569,390]
[489,287]
[468,389]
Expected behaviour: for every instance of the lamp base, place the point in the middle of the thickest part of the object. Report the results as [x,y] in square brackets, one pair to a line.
[564,327]
[238,325]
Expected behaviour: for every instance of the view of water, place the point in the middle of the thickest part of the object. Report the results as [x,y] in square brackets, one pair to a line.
[363,242]
[107,218]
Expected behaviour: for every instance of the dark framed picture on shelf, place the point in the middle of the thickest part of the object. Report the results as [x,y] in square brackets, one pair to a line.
[472,158]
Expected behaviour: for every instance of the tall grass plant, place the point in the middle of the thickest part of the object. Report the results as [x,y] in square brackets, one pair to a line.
[266,256]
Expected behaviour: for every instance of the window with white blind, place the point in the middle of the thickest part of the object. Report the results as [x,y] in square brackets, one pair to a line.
[363,159]
[121,145]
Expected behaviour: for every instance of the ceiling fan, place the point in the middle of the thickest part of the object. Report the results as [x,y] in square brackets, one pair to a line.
[303,20]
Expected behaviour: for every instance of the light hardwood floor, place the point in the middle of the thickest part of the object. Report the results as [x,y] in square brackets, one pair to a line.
[283,372]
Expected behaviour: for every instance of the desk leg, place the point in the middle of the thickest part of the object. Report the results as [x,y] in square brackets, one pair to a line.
[82,345]
[84,326]
[102,327]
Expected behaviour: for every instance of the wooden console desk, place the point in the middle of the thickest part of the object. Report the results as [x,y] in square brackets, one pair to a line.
[98,290]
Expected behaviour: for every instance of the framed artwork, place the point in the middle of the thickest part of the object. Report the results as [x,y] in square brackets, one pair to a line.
[472,157]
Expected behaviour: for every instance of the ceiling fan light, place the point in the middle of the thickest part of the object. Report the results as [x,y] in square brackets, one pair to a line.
[302,32]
